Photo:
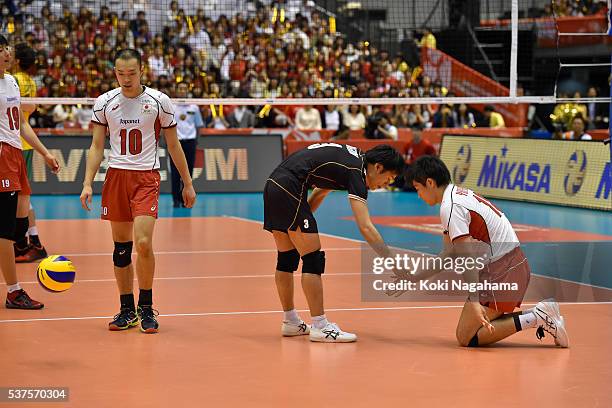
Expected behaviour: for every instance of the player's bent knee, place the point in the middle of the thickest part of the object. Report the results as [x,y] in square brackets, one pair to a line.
[467,340]
[122,255]
[314,263]
[288,261]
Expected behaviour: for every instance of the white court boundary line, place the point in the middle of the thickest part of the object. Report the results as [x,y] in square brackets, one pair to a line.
[271,250]
[205,314]
[202,277]
[259,312]
[404,249]
[205,251]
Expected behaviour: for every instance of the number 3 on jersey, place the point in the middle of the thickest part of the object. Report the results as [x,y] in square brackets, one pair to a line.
[306,225]
[134,137]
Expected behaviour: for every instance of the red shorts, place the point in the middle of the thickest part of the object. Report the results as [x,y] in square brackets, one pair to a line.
[511,268]
[127,194]
[13,172]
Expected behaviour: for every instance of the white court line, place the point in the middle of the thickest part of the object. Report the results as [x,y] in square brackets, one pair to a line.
[409,250]
[258,312]
[334,274]
[267,251]
[206,251]
[202,277]
[320,233]
[263,250]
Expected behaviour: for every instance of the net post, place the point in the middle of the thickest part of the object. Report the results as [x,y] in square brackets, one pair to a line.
[514,49]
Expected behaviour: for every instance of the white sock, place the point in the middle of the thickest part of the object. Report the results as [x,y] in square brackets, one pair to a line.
[33,230]
[291,316]
[13,288]
[319,322]
[528,320]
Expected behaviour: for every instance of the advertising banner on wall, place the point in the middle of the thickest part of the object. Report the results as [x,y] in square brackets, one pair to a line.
[572,173]
[228,164]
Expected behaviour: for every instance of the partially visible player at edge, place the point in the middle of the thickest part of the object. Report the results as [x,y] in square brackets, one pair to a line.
[288,215]
[134,115]
[473,226]
[24,62]
[14,186]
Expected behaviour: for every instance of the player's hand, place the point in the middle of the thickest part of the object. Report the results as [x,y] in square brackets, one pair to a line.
[189,196]
[398,276]
[481,315]
[86,195]
[52,163]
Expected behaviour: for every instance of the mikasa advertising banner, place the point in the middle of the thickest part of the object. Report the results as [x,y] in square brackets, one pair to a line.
[572,173]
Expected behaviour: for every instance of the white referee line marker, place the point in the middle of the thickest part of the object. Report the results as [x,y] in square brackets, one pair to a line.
[259,312]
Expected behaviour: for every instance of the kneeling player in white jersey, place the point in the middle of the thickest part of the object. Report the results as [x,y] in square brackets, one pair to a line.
[468,221]
[134,116]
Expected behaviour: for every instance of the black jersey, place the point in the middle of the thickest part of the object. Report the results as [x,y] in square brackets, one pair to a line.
[330,166]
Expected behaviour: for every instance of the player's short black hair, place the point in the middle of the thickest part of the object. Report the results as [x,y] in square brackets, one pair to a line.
[386,155]
[128,54]
[489,108]
[26,56]
[428,167]
[3,41]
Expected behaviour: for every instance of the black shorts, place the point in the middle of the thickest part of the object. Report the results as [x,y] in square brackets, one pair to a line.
[286,204]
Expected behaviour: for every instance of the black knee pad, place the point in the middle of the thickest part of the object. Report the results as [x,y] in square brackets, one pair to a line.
[288,261]
[474,341]
[122,255]
[8,212]
[314,263]
[21,229]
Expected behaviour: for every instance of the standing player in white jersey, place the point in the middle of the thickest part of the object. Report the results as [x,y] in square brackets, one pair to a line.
[14,186]
[469,221]
[189,121]
[134,116]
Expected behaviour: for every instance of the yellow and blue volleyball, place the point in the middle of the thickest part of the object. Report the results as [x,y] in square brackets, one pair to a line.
[56,273]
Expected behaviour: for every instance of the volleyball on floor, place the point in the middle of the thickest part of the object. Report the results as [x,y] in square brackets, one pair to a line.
[56,273]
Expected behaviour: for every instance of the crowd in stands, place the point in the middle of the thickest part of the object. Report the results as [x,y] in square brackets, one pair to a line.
[575,8]
[259,55]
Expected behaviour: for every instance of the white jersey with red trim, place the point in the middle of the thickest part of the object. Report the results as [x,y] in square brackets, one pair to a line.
[134,126]
[465,213]
[10,99]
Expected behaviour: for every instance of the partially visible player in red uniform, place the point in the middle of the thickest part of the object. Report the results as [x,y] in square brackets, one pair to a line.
[475,227]
[14,186]
[134,116]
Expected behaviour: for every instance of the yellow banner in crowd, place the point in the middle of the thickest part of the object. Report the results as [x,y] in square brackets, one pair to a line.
[572,173]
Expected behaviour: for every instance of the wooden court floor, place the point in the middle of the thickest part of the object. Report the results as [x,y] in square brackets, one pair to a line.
[220,346]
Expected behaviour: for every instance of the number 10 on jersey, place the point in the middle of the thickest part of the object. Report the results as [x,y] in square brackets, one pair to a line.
[134,137]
